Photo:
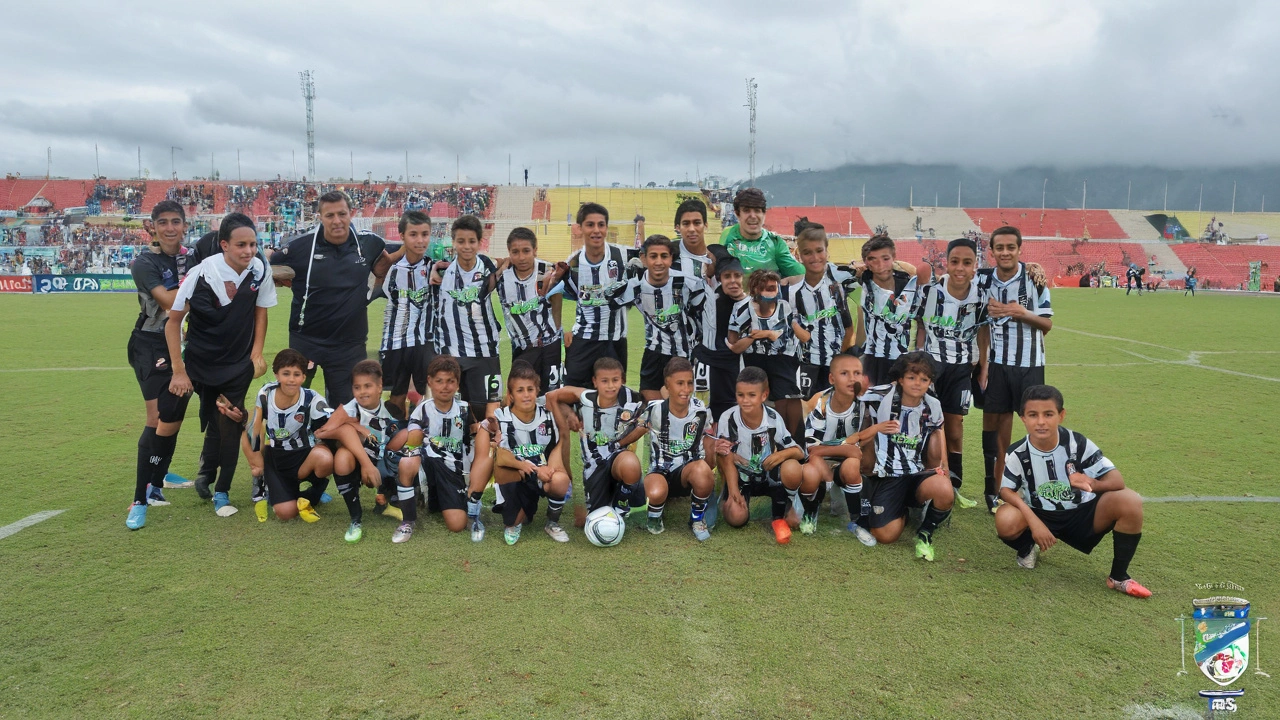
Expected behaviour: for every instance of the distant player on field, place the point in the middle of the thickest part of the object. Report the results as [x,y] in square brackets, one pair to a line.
[1058,485]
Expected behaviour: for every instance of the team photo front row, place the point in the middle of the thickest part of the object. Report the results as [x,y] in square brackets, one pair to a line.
[804,393]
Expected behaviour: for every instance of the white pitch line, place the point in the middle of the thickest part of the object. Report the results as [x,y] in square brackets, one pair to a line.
[1212,498]
[1194,363]
[27,522]
[1119,339]
[1128,364]
[61,369]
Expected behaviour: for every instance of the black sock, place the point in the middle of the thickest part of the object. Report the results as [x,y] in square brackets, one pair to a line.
[1021,544]
[349,488]
[955,461]
[145,469]
[622,501]
[638,498]
[697,507]
[228,451]
[554,507]
[989,452]
[809,503]
[408,505]
[780,502]
[207,465]
[162,447]
[933,517]
[313,493]
[1125,545]
[853,500]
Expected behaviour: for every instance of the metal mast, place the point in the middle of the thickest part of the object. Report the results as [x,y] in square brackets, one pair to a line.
[751,147]
[309,94]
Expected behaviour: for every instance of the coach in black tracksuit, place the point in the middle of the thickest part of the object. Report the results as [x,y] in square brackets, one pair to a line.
[328,320]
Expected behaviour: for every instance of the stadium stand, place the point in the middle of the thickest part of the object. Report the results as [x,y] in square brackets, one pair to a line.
[1241,225]
[947,223]
[1227,266]
[1033,222]
[839,220]
[1135,224]
[657,206]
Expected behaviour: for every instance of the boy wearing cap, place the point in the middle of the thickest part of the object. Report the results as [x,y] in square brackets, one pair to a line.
[753,245]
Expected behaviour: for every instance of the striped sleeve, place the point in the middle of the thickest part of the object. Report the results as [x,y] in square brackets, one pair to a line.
[781,436]
[1043,307]
[1014,476]
[740,320]
[1094,464]
[815,426]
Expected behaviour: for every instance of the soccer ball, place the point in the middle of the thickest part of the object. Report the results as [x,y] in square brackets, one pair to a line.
[604,527]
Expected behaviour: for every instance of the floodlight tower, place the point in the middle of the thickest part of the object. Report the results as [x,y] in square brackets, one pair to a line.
[751,146]
[309,94]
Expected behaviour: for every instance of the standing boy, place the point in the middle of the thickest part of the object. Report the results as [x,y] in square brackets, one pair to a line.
[757,456]
[886,310]
[466,326]
[531,298]
[1010,347]
[597,282]
[714,352]
[157,275]
[951,310]
[821,303]
[408,340]
[1058,485]
[668,302]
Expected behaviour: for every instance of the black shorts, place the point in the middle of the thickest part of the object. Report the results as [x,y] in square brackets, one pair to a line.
[675,486]
[580,359]
[481,383]
[448,487]
[891,496]
[401,364]
[813,379]
[701,376]
[723,390]
[335,360]
[173,408]
[766,484]
[546,360]
[876,369]
[954,387]
[602,486]
[280,473]
[520,495]
[783,372]
[1005,385]
[149,358]
[1074,527]
[652,365]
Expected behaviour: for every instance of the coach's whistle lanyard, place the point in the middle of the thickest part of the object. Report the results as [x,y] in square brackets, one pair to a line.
[306,294]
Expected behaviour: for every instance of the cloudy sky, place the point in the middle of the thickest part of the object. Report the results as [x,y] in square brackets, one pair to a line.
[600,84]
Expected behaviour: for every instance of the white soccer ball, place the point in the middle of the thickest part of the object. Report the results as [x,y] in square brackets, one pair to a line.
[604,527]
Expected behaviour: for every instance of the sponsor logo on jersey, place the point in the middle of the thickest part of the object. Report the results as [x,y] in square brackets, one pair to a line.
[415,296]
[465,295]
[823,314]
[447,444]
[527,450]
[524,306]
[682,445]
[666,314]
[1057,491]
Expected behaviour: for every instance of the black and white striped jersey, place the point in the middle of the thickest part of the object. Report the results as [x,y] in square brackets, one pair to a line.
[409,318]
[887,314]
[293,427]
[951,324]
[466,325]
[825,426]
[445,435]
[530,321]
[1043,478]
[902,453]
[745,319]
[686,263]
[531,440]
[380,424]
[823,310]
[1014,343]
[155,269]
[675,440]
[670,312]
[751,445]
[601,293]
[603,427]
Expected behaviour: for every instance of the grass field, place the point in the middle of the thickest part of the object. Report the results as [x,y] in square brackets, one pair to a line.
[199,616]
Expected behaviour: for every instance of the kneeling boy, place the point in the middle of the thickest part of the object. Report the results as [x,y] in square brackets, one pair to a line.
[677,465]
[1058,485]
[757,456]
[833,438]
[528,464]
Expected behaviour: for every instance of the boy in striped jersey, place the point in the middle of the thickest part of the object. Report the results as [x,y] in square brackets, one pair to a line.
[951,310]
[529,464]
[713,351]
[909,465]
[371,439]
[822,307]
[531,297]
[1010,347]
[408,341]
[833,438]
[440,445]
[886,310]
[1058,485]
[757,455]
[677,455]
[285,418]
[607,421]
[466,326]
[596,280]
[767,332]
[668,302]
[695,259]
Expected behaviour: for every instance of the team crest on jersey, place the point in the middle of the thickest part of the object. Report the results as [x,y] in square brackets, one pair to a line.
[1222,637]
[478,276]
[613,269]
[300,417]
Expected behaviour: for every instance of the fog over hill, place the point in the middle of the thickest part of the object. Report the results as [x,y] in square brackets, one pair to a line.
[1102,187]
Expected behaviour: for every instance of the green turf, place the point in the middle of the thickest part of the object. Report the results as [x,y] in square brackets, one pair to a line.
[198,616]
